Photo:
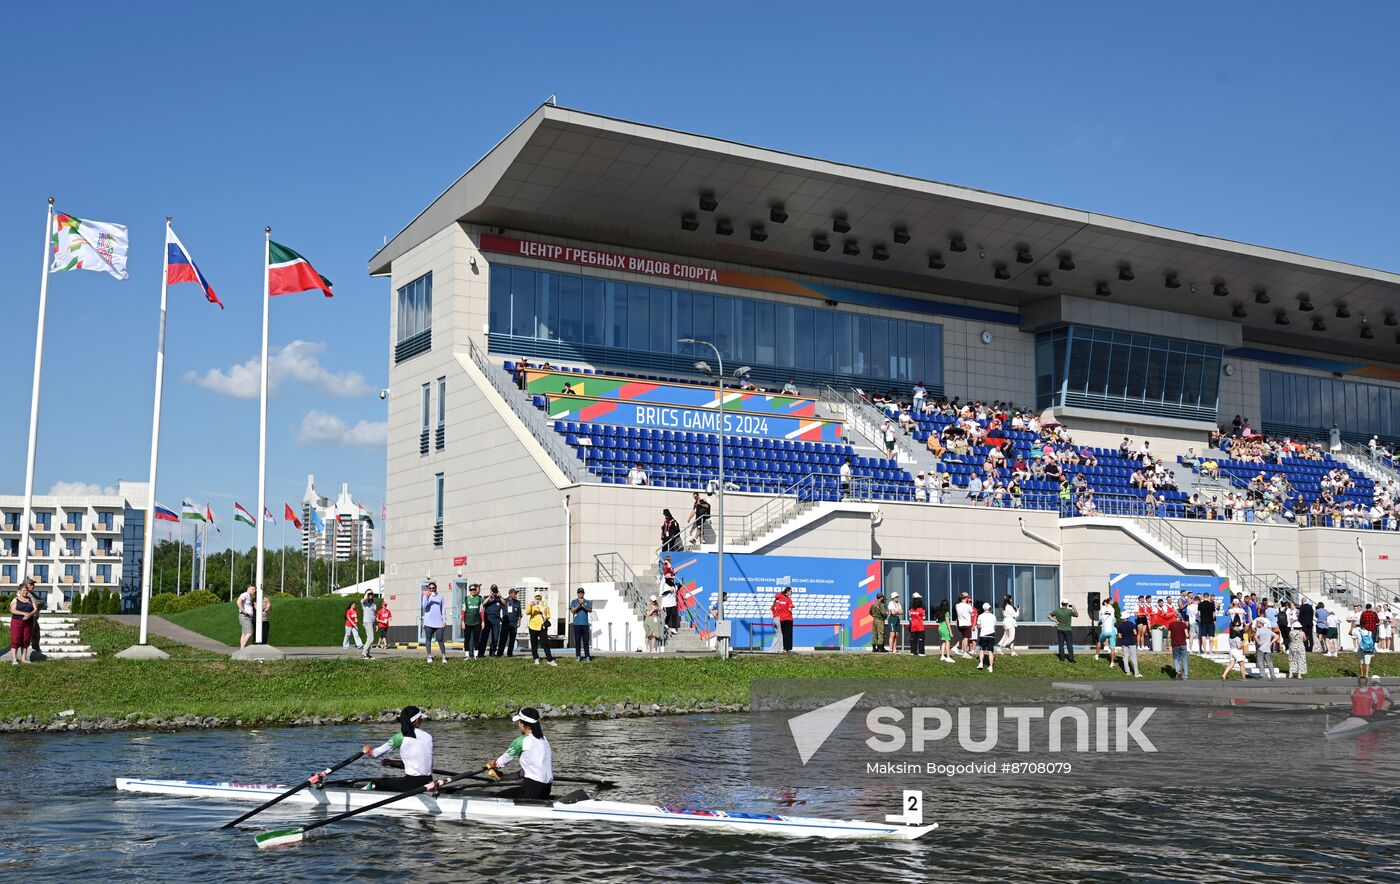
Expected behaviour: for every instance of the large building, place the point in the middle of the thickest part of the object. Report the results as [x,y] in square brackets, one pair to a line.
[601,245]
[337,526]
[77,542]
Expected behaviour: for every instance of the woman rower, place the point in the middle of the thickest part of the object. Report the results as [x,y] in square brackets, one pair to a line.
[415,748]
[536,759]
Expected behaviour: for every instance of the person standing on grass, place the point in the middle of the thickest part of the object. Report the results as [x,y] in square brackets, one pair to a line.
[537,620]
[352,626]
[655,627]
[966,615]
[986,637]
[782,613]
[247,604]
[1365,648]
[433,622]
[916,625]
[381,620]
[1265,641]
[367,612]
[491,608]
[1306,621]
[23,609]
[1179,634]
[877,624]
[944,618]
[1108,633]
[581,610]
[1064,631]
[1297,654]
[471,622]
[894,623]
[510,624]
[1127,637]
[1321,618]
[1205,623]
[1009,615]
[1236,657]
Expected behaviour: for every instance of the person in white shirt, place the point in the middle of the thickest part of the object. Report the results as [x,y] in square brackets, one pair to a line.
[790,388]
[920,489]
[415,748]
[846,475]
[1108,633]
[636,475]
[986,636]
[965,614]
[889,434]
[920,391]
[1009,615]
[533,752]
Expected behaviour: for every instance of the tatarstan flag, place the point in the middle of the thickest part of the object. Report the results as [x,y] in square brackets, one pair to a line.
[288,272]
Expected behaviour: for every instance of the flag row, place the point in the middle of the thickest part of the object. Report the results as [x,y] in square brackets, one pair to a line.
[193,512]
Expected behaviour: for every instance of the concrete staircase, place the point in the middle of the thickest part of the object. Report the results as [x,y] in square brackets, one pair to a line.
[59,639]
[1250,670]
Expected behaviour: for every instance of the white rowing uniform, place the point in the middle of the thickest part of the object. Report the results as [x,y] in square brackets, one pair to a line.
[535,757]
[415,751]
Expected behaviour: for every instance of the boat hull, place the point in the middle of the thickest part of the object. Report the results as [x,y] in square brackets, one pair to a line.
[465,808]
[1352,726]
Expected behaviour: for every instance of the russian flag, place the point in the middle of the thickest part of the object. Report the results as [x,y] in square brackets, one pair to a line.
[166,514]
[180,267]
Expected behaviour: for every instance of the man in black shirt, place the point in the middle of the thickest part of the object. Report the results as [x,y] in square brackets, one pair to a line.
[1205,620]
[699,516]
[1305,623]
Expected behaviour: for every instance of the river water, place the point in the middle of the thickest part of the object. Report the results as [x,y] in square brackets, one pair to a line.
[1238,798]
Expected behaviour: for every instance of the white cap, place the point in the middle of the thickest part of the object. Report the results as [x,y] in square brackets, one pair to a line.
[986,606]
[653,598]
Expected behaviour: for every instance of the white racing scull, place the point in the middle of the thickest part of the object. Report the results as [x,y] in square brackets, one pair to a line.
[463,807]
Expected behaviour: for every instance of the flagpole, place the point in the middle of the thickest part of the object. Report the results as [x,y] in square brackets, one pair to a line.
[232,553]
[282,580]
[148,543]
[180,549]
[262,444]
[195,549]
[34,403]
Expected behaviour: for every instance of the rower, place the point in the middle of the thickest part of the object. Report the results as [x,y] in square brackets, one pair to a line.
[415,748]
[1363,700]
[1384,703]
[536,758]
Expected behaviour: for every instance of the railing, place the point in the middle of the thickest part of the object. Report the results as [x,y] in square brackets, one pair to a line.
[1209,550]
[528,416]
[866,419]
[1346,585]
[791,502]
[611,567]
[1360,457]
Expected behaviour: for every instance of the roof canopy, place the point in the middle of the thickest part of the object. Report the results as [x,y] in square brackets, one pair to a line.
[573,174]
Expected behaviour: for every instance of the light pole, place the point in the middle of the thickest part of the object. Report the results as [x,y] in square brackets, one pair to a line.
[1253,539]
[1361,549]
[720,644]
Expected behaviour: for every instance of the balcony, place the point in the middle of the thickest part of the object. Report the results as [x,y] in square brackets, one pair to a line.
[36,554]
[71,553]
[99,580]
[71,528]
[67,578]
[111,552]
[99,528]
[10,527]
[41,529]
[6,579]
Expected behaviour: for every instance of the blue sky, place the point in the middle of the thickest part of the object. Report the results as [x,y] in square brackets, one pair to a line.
[336,123]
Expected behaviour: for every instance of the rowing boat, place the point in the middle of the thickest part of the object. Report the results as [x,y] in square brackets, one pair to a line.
[482,808]
[1353,725]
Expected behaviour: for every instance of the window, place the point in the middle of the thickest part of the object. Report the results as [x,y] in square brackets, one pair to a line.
[11,521]
[73,573]
[414,318]
[437,509]
[1309,406]
[441,440]
[548,314]
[1034,588]
[75,518]
[1127,372]
[426,412]
[106,521]
[42,546]
[10,573]
[73,548]
[104,573]
[43,521]
[41,573]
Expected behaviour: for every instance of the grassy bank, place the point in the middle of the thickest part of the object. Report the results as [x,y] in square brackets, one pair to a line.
[296,623]
[196,683]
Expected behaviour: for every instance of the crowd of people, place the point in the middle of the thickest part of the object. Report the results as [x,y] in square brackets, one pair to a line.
[491,624]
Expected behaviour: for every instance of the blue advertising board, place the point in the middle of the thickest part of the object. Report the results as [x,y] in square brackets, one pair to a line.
[831,597]
[1127,589]
[695,420]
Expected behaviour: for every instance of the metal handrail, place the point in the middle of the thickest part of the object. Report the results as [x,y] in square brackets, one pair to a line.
[1361,457]
[866,418]
[546,436]
[611,567]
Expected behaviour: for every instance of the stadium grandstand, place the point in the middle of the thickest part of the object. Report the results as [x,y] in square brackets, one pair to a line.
[872,384]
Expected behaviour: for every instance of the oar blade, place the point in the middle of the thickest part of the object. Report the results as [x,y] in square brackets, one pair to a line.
[279,838]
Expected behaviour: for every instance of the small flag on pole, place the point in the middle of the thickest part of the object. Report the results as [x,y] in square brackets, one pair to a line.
[191,511]
[291,516]
[180,267]
[87,245]
[165,514]
[288,272]
[317,524]
[267,516]
[242,515]
[364,515]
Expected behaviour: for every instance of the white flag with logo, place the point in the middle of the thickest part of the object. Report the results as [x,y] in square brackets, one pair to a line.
[87,245]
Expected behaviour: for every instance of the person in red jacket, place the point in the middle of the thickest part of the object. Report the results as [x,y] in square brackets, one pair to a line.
[782,612]
[381,620]
[916,625]
[352,626]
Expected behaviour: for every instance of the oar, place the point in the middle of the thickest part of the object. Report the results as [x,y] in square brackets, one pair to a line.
[601,784]
[281,837]
[310,781]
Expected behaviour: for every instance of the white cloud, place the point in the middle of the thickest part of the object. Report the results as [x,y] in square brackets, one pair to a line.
[80,489]
[298,361]
[319,428]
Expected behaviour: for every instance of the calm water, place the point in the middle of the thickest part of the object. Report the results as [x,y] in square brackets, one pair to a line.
[1236,798]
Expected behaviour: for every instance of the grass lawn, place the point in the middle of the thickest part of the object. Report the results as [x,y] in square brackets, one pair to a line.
[295,623]
[194,683]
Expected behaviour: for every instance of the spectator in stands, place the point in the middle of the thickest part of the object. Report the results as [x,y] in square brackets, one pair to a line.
[568,389]
[945,489]
[699,515]
[1334,440]
[521,366]
[637,475]
[846,475]
[1125,448]
[888,433]
[920,488]
[920,392]
[974,489]
[670,532]
[790,388]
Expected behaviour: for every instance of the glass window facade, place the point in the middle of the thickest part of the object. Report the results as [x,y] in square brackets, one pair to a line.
[1301,405]
[1127,372]
[1034,588]
[549,314]
[413,328]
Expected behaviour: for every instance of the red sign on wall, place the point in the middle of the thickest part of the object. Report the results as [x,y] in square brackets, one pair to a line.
[458,561]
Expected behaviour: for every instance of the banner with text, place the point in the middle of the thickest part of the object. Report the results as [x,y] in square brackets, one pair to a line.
[1128,589]
[831,597]
[686,395]
[692,420]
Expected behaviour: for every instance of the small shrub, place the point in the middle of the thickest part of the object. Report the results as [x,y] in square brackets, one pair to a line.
[160,602]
